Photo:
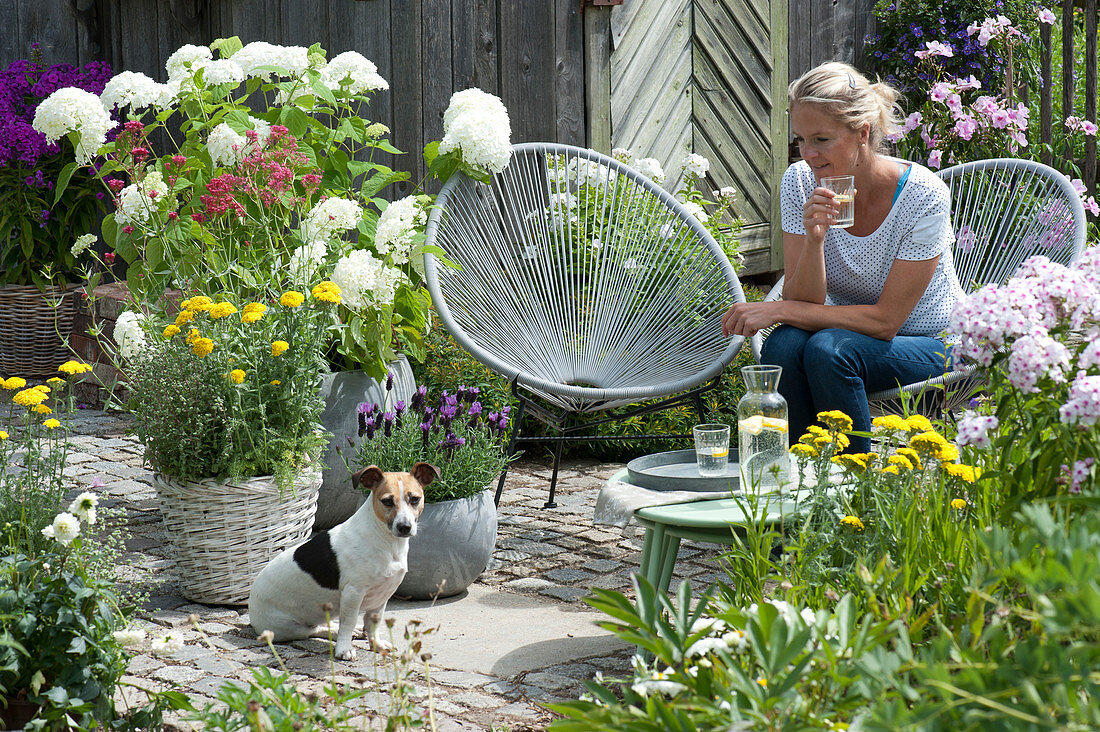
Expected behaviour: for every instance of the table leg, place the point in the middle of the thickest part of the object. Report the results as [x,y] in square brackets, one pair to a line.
[669,552]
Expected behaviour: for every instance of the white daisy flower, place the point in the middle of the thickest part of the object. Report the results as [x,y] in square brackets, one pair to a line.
[84,505]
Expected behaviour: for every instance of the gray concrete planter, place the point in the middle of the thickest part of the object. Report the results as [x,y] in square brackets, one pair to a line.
[453,544]
[343,392]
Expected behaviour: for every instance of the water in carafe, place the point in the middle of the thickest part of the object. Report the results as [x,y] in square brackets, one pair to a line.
[762,431]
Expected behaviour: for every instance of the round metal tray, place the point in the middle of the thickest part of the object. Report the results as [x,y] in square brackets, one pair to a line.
[677,471]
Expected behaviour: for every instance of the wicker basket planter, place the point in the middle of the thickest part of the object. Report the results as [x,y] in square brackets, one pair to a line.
[223,533]
[29,328]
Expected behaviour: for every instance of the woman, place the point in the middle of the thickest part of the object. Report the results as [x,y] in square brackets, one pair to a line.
[864,307]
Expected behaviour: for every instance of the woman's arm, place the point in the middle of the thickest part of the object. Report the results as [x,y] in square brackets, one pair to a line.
[804,254]
[904,287]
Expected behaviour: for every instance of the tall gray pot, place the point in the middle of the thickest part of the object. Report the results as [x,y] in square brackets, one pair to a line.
[344,391]
[453,544]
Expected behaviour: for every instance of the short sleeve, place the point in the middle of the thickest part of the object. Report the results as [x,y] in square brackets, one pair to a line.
[792,198]
[930,233]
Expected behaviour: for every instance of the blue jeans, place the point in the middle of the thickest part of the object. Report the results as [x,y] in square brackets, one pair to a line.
[836,368]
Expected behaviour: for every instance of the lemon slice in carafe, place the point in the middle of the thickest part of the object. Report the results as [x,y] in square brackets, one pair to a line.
[758,423]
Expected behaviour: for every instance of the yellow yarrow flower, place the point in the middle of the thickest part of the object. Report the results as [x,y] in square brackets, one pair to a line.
[275,382]
[199,303]
[900,461]
[892,470]
[327,291]
[803,450]
[279,347]
[835,420]
[852,521]
[171,331]
[253,311]
[237,376]
[54,380]
[967,473]
[42,409]
[292,299]
[13,383]
[72,368]
[855,460]
[947,453]
[222,310]
[185,317]
[889,423]
[51,424]
[29,397]
[3,435]
[927,443]
[912,455]
[958,504]
[202,347]
[919,423]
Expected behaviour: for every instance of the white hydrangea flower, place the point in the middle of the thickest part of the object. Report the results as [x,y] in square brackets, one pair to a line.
[186,60]
[651,168]
[129,638]
[225,146]
[697,211]
[293,59]
[222,71]
[306,260]
[330,216]
[168,94]
[74,110]
[130,89]
[365,280]
[397,226]
[696,165]
[476,124]
[356,73]
[137,201]
[83,506]
[82,243]
[129,334]
[64,529]
[166,645]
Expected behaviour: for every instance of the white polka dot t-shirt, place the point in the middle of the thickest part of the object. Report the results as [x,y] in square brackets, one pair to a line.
[918,227]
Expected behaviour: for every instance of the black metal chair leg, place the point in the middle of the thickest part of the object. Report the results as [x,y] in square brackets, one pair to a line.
[554,478]
[511,450]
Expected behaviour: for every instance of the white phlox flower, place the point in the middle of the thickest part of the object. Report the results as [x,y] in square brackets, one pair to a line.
[397,226]
[1083,401]
[354,73]
[83,506]
[329,217]
[1034,356]
[696,165]
[64,529]
[725,194]
[74,110]
[651,168]
[974,429]
[564,200]
[166,645]
[129,334]
[659,683]
[476,124]
[703,646]
[697,211]
[130,89]
[138,201]
[129,638]
[589,173]
[623,155]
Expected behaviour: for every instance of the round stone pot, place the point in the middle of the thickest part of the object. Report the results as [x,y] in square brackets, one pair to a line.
[343,392]
[453,543]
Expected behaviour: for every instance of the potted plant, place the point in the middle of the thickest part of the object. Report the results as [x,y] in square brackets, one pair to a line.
[457,531]
[46,203]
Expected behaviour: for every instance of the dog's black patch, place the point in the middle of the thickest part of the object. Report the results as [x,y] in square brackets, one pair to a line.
[317,559]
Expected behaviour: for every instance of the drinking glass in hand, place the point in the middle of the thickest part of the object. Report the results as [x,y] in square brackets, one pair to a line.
[712,449]
[844,186]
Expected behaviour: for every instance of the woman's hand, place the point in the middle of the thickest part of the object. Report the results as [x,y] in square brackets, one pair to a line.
[747,318]
[819,213]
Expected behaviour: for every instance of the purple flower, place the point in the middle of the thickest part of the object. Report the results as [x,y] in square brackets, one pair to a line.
[369,429]
[419,399]
[425,431]
[387,423]
[389,381]
[398,407]
[367,408]
[451,442]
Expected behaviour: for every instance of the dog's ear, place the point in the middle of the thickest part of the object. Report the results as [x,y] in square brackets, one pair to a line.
[425,473]
[368,477]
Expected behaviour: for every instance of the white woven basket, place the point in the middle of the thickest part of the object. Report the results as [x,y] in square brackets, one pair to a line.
[223,533]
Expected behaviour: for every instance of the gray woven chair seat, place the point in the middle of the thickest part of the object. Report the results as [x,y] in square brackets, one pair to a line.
[588,313]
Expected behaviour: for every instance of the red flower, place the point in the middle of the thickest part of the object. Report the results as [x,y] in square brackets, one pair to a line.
[127,230]
[115,184]
[110,256]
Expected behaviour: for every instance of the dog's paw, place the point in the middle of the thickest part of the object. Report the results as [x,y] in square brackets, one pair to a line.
[346,654]
[378,645]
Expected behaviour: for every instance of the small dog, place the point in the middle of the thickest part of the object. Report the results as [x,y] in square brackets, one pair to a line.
[353,569]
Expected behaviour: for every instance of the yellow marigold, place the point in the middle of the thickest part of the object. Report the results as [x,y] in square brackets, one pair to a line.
[835,420]
[253,311]
[171,331]
[327,291]
[185,317]
[852,521]
[72,368]
[202,347]
[889,423]
[42,409]
[51,424]
[292,299]
[13,383]
[199,303]
[958,504]
[928,444]
[278,347]
[222,310]
[919,423]
[29,397]
[900,461]
[275,382]
[802,450]
[968,473]
[912,455]
[237,375]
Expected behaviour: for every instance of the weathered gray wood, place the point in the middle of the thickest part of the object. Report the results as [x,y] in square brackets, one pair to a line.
[780,126]
[253,20]
[569,76]
[597,77]
[54,31]
[1090,93]
[301,20]
[437,85]
[527,68]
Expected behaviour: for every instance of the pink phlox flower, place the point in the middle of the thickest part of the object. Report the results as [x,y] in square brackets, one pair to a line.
[1045,16]
[974,429]
[1000,118]
[1092,206]
[954,102]
[1078,185]
[913,121]
[986,105]
[929,140]
[1090,355]
[1081,472]
[965,126]
[969,83]
[965,238]
[940,91]
[97,482]
[934,158]
[1035,356]
[1088,127]
[1082,404]
[934,48]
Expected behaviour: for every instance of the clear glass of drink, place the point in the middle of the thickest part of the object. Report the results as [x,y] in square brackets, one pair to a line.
[712,449]
[844,186]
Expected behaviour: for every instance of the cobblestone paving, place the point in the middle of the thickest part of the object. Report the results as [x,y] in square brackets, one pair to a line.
[554,553]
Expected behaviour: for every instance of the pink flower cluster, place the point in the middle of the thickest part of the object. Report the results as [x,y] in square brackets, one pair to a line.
[1089,201]
[991,28]
[1081,472]
[1035,356]
[974,429]
[1083,405]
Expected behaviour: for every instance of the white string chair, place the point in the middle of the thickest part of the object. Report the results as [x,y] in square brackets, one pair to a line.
[582,282]
[1004,210]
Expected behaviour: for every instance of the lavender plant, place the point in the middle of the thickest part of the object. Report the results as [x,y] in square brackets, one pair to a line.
[456,433]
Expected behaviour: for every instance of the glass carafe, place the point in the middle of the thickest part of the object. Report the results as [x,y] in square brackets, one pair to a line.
[762,439]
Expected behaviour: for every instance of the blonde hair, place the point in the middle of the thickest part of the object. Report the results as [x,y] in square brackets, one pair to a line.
[846,94]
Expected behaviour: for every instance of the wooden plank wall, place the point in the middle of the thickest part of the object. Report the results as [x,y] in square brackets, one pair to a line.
[529,52]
